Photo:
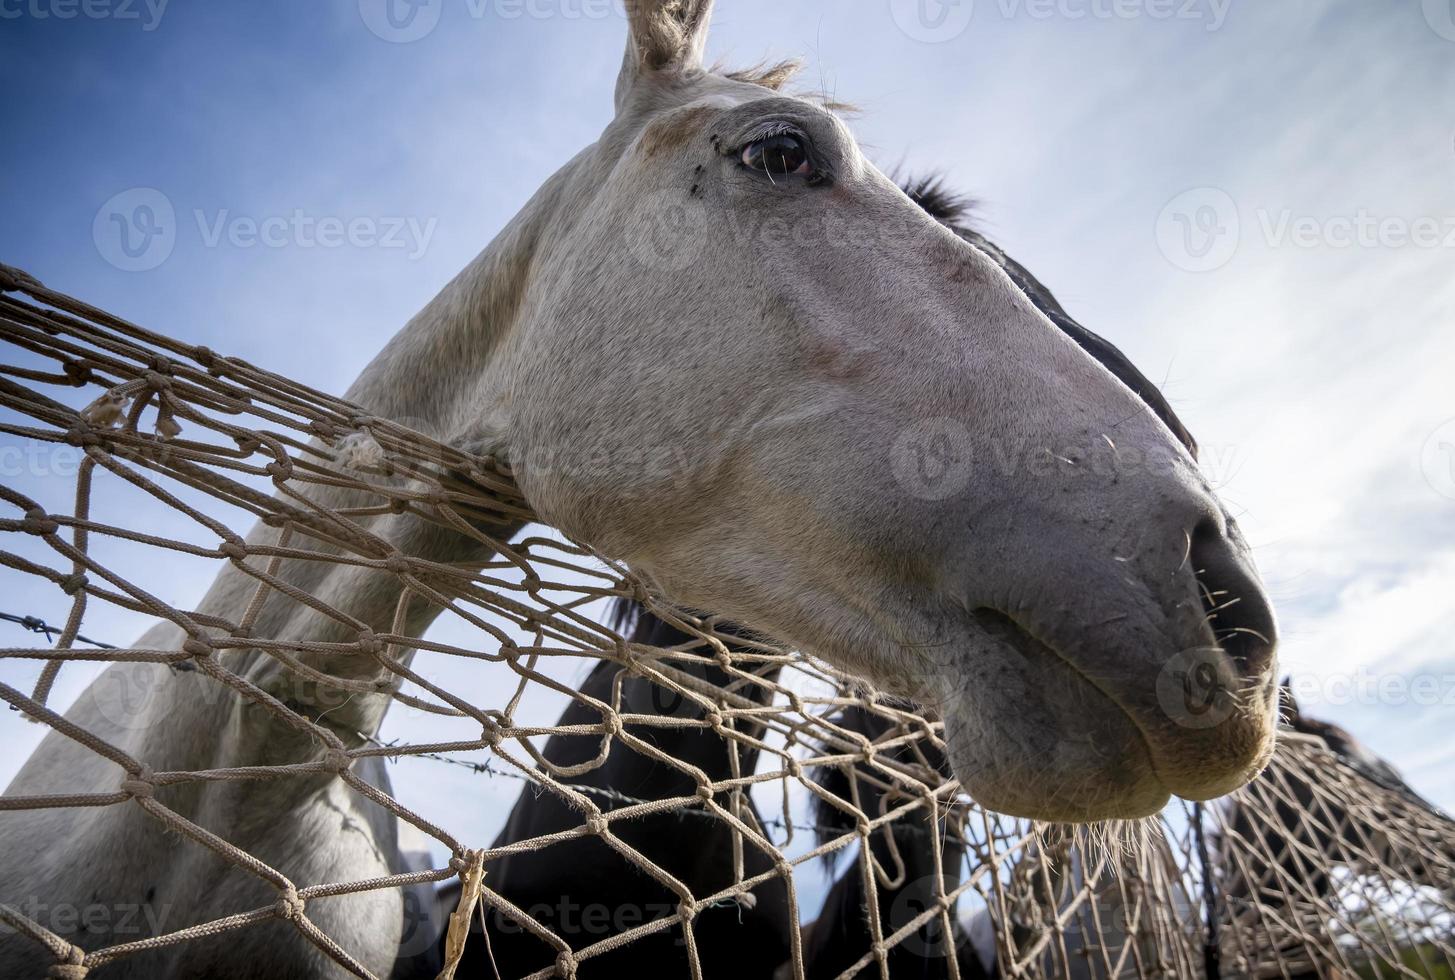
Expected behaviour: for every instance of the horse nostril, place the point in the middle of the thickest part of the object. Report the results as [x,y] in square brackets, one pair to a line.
[1233,600]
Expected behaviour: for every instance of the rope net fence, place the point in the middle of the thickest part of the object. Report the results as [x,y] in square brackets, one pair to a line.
[826,809]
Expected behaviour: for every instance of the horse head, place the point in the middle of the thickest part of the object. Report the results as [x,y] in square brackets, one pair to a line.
[745,362]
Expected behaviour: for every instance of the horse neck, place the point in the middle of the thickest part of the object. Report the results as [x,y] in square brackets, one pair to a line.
[439,375]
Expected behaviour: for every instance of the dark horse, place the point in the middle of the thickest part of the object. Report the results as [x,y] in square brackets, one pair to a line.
[1288,851]
[584,891]
[842,934]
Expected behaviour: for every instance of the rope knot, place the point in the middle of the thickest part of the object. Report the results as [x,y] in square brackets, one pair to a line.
[139,786]
[197,647]
[337,760]
[80,374]
[290,904]
[398,564]
[369,643]
[705,793]
[67,971]
[596,823]
[81,436]
[235,550]
[39,523]
[714,719]
[566,966]
[72,584]
[611,724]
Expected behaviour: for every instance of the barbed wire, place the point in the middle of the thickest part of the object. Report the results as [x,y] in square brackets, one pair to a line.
[35,624]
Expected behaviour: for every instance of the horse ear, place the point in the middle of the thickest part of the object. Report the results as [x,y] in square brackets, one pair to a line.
[666,36]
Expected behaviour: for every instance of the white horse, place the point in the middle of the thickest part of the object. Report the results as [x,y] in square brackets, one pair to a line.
[724,274]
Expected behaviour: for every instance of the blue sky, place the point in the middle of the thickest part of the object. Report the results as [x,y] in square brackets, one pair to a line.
[1257,201]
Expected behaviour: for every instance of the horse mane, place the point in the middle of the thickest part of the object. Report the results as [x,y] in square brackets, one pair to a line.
[935,196]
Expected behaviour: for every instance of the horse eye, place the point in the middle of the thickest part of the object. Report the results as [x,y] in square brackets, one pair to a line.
[778,156]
